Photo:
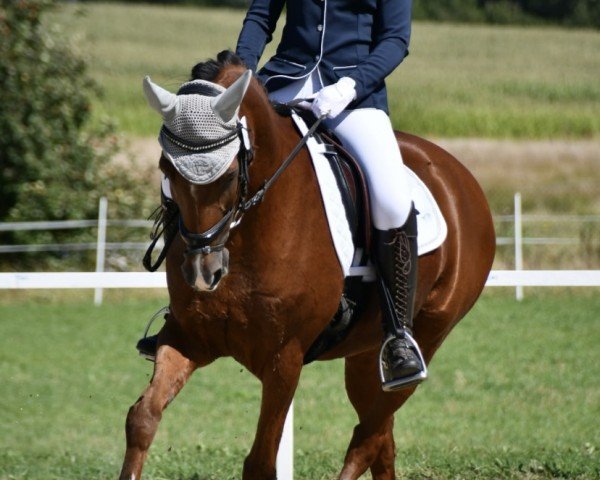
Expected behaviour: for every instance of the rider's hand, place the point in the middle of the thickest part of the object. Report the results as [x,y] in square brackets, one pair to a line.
[333,99]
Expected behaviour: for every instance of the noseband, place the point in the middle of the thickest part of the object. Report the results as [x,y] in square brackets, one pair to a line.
[200,243]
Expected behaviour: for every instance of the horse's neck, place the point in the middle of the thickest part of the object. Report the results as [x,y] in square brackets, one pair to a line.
[293,202]
[273,135]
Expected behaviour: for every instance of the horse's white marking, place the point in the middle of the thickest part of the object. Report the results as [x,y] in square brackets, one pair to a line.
[132,476]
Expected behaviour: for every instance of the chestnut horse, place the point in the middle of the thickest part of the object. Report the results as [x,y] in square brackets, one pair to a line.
[284,285]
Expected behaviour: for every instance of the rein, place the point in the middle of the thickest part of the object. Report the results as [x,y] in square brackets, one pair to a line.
[258,196]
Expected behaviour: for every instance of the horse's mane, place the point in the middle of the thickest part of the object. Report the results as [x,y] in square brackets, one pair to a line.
[211,68]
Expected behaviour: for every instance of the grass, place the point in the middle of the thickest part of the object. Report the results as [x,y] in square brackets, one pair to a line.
[513,394]
[459,80]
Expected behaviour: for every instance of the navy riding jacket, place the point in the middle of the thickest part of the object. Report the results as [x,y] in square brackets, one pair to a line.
[361,39]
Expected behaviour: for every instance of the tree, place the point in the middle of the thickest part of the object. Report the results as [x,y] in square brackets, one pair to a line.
[575,12]
[54,164]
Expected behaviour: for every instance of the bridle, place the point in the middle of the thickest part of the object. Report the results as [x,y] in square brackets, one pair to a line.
[206,242]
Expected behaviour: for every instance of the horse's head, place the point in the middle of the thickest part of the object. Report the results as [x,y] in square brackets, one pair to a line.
[200,139]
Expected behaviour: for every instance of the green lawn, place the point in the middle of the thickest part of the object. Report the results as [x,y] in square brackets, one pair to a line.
[459,80]
[513,394]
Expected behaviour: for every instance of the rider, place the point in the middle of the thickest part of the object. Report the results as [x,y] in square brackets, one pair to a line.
[339,53]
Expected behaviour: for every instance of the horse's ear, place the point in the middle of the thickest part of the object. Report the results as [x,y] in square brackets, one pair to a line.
[161,100]
[227,104]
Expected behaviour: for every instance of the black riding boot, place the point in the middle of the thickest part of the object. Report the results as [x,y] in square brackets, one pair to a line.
[146,345]
[396,257]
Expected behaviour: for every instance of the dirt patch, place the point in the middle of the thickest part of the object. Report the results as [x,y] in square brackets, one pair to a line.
[550,169]
[525,161]
[552,175]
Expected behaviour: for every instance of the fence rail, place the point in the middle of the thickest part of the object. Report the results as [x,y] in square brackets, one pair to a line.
[73,247]
[70,224]
[515,218]
[103,223]
[83,280]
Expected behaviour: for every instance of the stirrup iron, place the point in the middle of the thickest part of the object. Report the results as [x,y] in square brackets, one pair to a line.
[162,311]
[390,384]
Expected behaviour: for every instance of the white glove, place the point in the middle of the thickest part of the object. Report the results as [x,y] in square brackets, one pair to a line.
[333,99]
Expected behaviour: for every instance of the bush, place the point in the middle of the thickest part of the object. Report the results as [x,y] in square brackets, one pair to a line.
[566,12]
[448,10]
[506,12]
[54,165]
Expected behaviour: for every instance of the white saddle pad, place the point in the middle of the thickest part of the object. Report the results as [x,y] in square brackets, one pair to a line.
[431,225]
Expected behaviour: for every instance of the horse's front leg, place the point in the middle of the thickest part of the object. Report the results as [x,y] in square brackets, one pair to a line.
[171,372]
[279,382]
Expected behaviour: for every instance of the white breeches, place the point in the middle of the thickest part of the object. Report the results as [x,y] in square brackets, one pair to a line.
[368,135]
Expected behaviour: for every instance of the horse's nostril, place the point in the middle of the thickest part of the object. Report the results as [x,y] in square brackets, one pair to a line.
[188,273]
[216,278]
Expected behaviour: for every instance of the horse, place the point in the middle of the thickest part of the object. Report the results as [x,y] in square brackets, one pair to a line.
[281,285]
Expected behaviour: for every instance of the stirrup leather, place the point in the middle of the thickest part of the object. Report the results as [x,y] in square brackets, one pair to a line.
[388,383]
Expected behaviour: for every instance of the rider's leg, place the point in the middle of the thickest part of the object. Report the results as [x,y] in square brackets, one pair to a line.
[368,135]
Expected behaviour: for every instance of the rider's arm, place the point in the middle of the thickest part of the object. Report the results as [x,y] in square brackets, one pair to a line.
[391,36]
[258,29]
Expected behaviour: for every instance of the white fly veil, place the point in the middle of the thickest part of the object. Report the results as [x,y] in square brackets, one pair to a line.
[199,135]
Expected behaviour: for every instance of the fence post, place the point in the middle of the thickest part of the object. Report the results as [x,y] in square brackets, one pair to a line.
[518,242]
[285,455]
[101,245]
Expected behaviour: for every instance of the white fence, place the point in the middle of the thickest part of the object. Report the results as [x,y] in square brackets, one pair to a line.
[93,280]
[103,223]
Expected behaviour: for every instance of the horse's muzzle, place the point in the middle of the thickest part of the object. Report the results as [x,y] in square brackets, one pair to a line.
[203,272]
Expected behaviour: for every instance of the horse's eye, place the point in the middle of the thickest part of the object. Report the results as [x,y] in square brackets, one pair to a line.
[231,176]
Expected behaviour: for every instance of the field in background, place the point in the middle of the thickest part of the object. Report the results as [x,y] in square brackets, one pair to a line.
[513,394]
[532,92]
[458,81]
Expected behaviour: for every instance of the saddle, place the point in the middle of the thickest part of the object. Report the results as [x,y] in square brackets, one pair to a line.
[352,185]
[353,188]
[350,178]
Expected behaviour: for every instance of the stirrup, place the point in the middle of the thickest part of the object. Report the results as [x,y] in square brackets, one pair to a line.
[391,384]
[162,311]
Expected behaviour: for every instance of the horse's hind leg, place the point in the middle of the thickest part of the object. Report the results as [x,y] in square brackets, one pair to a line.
[372,446]
[171,372]
[372,442]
